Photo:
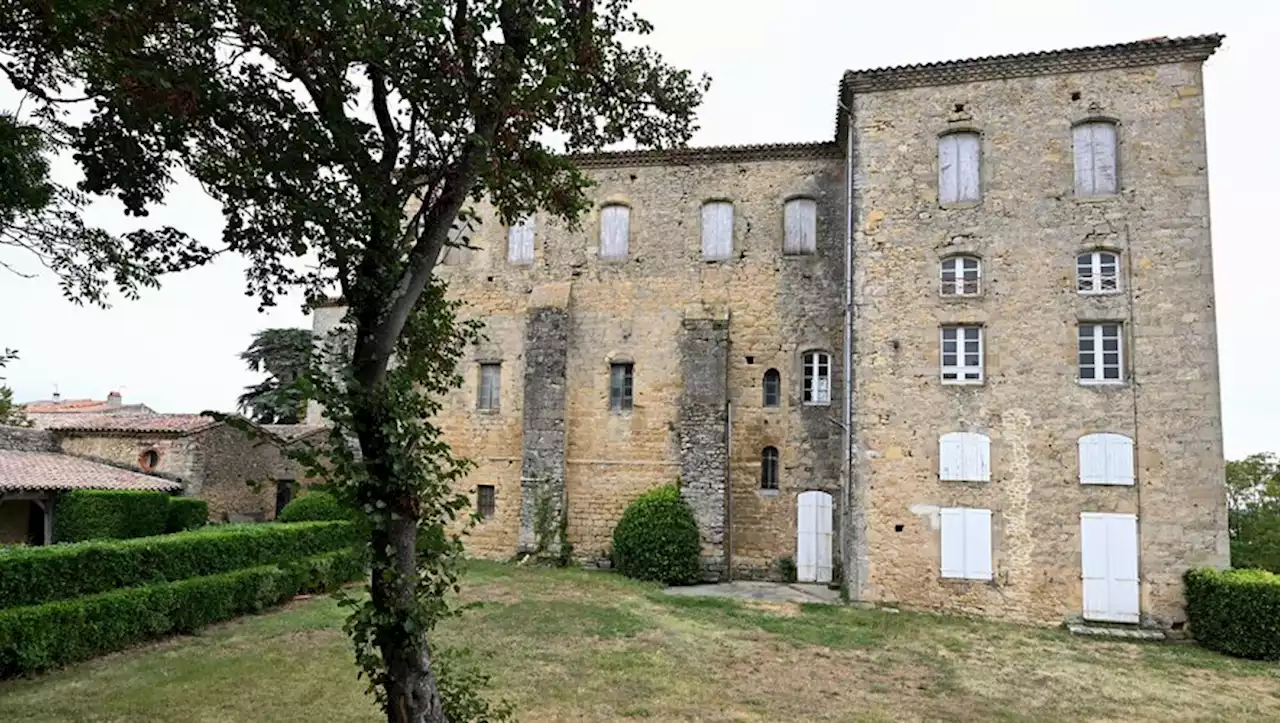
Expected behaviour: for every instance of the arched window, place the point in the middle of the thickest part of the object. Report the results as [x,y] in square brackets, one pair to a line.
[959,156]
[800,222]
[769,468]
[615,231]
[717,230]
[961,276]
[1098,272]
[772,388]
[817,377]
[1106,459]
[1095,155]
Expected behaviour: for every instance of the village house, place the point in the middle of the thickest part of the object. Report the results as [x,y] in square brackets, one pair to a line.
[962,356]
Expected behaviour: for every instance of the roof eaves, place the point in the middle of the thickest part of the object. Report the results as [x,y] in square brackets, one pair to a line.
[709,154]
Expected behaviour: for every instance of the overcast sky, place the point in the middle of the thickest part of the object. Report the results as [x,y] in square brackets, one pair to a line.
[775,65]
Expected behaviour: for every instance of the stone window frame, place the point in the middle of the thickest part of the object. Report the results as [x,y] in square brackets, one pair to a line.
[626,401]
[733,223]
[149,459]
[958,256]
[1119,166]
[770,469]
[491,502]
[1121,334]
[982,165]
[777,381]
[804,376]
[492,402]
[1095,266]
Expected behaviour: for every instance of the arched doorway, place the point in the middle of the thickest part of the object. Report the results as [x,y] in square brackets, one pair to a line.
[813,537]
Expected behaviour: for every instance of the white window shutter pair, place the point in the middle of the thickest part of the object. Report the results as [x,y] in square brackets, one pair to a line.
[1106,459]
[520,241]
[1095,158]
[964,457]
[959,158]
[717,230]
[966,543]
[800,219]
[615,231]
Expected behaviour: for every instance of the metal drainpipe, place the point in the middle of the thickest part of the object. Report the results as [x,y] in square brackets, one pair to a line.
[849,564]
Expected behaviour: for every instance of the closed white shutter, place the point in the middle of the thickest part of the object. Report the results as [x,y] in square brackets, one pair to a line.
[1109,567]
[615,231]
[800,218]
[1095,158]
[952,542]
[1106,459]
[520,241]
[717,230]
[948,169]
[977,457]
[951,457]
[959,168]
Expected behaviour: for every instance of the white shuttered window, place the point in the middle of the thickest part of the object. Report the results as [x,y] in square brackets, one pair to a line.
[1095,153]
[1106,459]
[964,457]
[615,231]
[966,543]
[959,159]
[520,241]
[800,219]
[717,230]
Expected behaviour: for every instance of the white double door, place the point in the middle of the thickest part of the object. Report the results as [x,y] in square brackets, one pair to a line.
[1109,566]
[813,537]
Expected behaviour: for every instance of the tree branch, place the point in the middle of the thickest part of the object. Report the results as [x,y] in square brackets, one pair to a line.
[390,134]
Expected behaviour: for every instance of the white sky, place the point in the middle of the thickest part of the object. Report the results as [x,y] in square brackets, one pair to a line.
[775,65]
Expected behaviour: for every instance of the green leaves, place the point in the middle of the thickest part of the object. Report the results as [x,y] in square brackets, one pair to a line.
[657,539]
[285,356]
[1253,511]
[1236,612]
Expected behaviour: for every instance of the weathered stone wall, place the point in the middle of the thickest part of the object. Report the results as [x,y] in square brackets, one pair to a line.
[703,428]
[176,454]
[1028,229]
[24,439]
[546,350]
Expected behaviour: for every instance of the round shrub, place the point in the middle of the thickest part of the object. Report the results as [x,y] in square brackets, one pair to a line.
[313,507]
[657,539]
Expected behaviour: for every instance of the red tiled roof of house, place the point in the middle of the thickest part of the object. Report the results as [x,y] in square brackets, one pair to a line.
[111,405]
[170,423]
[53,471]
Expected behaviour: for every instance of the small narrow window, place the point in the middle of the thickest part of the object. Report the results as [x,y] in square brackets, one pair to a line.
[1095,158]
[769,468]
[962,355]
[959,157]
[1097,272]
[961,276]
[520,241]
[620,387]
[486,501]
[800,218]
[490,385]
[615,231]
[1101,354]
[817,377]
[717,230]
[966,543]
[772,388]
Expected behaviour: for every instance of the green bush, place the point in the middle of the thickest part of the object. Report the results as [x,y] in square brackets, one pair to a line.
[1236,612]
[313,507]
[109,515]
[40,637]
[657,539]
[35,575]
[186,513]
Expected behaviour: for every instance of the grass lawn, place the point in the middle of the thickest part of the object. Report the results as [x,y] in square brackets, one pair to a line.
[566,645]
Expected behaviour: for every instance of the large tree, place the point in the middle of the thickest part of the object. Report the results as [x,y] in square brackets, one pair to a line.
[1253,511]
[317,124]
[284,355]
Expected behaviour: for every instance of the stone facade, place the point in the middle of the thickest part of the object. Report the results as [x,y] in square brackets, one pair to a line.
[700,336]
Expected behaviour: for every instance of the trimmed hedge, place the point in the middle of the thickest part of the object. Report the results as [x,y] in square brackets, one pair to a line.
[186,513]
[35,575]
[313,507]
[1236,612]
[657,539]
[109,515]
[46,636]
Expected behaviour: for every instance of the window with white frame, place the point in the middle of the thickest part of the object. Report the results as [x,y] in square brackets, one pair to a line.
[520,241]
[717,230]
[959,158]
[615,231]
[1101,350]
[1106,459]
[962,355]
[490,386]
[961,276]
[817,377]
[964,457]
[1098,272]
[966,543]
[800,222]
[1095,158]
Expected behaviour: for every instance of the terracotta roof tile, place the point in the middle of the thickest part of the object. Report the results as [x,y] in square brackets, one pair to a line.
[171,423]
[52,471]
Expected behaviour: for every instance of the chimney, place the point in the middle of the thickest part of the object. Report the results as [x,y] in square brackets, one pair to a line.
[114,401]
[56,396]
